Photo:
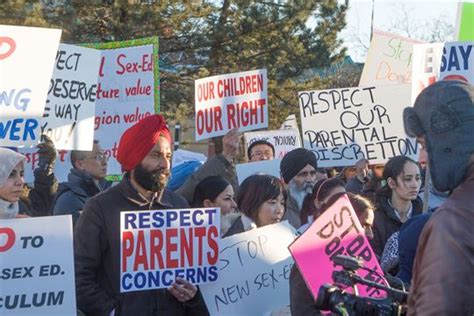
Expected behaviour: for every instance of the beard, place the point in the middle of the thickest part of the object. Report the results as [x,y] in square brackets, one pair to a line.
[151,180]
[300,193]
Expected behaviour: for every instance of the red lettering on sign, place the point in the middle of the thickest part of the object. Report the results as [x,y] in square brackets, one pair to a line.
[11,46]
[247,113]
[171,247]
[156,246]
[141,257]
[209,120]
[127,248]
[212,236]
[200,233]
[10,240]
[186,247]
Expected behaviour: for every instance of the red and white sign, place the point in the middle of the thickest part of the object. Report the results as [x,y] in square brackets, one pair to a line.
[228,101]
[158,246]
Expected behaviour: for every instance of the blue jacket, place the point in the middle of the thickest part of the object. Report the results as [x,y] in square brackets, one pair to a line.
[73,194]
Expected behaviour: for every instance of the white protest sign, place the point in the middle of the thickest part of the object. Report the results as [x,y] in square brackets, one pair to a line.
[245,170]
[69,114]
[127,88]
[290,123]
[158,246]
[457,62]
[283,140]
[426,66]
[228,101]
[37,266]
[26,65]
[254,272]
[389,60]
[342,126]
[442,61]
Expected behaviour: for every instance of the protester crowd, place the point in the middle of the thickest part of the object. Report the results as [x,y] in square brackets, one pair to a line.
[431,252]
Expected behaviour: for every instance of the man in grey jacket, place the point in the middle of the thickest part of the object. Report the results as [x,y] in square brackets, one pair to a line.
[86,179]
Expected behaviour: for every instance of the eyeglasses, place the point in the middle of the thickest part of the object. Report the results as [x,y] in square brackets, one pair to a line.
[266,154]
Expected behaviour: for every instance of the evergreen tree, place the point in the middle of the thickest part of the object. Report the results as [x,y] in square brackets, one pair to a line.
[207,38]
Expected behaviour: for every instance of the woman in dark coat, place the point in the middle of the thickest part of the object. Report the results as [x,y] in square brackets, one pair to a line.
[397,200]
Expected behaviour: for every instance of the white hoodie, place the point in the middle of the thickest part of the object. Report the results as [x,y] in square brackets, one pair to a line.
[8,160]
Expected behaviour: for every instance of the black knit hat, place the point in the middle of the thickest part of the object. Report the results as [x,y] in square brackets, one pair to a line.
[296,160]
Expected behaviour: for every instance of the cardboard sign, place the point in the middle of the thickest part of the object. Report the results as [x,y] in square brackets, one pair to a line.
[465,22]
[336,232]
[228,101]
[158,246]
[254,272]
[442,61]
[389,60]
[26,65]
[245,170]
[342,126]
[37,266]
[69,114]
[283,140]
[127,91]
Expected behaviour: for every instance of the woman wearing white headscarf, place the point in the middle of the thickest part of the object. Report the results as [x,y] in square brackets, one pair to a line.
[11,182]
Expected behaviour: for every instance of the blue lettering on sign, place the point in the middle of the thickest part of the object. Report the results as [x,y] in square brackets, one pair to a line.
[453,60]
[170,218]
[18,99]
[18,129]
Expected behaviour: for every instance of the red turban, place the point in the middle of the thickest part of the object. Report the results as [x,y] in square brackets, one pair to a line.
[137,141]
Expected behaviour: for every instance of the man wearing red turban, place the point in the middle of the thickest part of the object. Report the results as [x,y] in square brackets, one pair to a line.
[144,152]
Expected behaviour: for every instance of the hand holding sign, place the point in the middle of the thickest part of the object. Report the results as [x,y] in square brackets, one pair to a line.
[182,290]
[230,144]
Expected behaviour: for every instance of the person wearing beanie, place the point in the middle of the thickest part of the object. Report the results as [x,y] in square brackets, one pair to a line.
[298,170]
[11,182]
[442,120]
[144,152]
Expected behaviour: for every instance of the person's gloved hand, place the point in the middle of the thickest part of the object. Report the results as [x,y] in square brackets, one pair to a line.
[47,153]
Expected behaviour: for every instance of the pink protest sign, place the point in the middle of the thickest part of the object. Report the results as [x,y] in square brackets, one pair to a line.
[336,232]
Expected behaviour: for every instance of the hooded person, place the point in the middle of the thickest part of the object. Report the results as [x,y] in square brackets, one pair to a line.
[144,153]
[298,170]
[11,182]
[442,120]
